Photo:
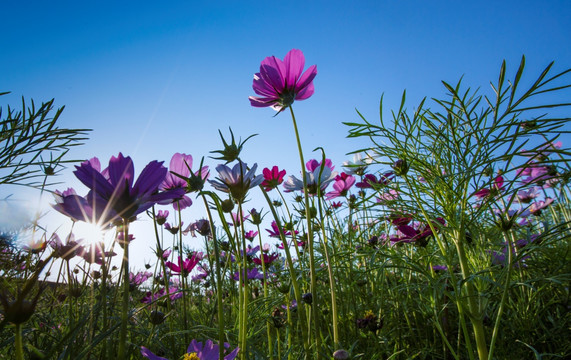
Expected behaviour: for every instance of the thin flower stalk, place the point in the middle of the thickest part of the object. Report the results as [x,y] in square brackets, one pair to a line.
[313,276]
[266,296]
[220,308]
[293,275]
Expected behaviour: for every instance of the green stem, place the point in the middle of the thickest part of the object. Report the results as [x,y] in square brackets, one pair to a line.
[218,281]
[313,277]
[473,306]
[125,305]
[266,295]
[18,342]
[504,297]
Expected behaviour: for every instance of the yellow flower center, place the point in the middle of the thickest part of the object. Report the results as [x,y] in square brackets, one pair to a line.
[190,356]
[369,314]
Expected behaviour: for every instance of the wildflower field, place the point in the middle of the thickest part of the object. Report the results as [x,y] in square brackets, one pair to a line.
[446,235]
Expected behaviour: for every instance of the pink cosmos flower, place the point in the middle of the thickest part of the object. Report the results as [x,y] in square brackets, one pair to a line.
[251,235]
[388,196]
[279,83]
[267,259]
[275,231]
[272,178]
[496,187]
[341,186]
[184,267]
[538,206]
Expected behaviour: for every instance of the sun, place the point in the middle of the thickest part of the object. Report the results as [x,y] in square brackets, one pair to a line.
[90,233]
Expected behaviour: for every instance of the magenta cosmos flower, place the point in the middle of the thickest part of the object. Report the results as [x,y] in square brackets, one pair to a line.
[341,186]
[184,267]
[116,187]
[197,351]
[272,178]
[279,83]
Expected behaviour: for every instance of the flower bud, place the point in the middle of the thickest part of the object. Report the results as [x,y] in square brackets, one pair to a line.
[227,206]
[341,355]
[157,317]
[400,167]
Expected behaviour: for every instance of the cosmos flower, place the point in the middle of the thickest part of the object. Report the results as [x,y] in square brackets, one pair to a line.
[178,178]
[237,180]
[184,267]
[174,294]
[371,181]
[359,165]
[253,274]
[275,232]
[116,187]
[90,209]
[65,251]
[272,178]
[251,235]
[161,217]
[538,206]
[197,351]
[341,186]
[279,83]
[317,177]
[494,190]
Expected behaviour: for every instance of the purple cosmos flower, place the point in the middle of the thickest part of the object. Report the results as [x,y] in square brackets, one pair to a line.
[526,196]
[178,178]
[201,226]
[541,175]
[174,294]
[371,181]
[202,274]
[252,275]
[237,180]
[137,279]
[161,217]
[90,209]
[279,83]
[197,351]
[65,251]
[116,188]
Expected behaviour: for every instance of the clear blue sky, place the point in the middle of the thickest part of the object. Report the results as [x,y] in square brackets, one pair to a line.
[155,78]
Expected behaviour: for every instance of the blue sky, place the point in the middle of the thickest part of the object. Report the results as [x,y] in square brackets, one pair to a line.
[153,79]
